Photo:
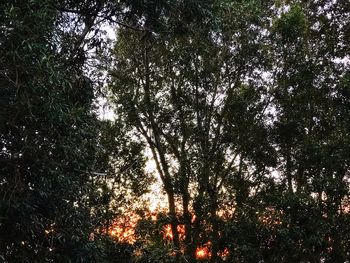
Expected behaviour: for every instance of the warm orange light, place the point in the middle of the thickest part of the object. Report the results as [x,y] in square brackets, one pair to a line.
[193,219]
[204,251]
[123,228]
[138,252]
[168,233]
[201,253]
[270,217]
[224,253]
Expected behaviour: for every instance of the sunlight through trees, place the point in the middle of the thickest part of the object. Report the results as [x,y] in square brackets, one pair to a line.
[174,131]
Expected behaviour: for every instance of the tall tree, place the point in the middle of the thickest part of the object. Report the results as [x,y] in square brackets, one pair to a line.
[54,159]
[310,135]
[197,100]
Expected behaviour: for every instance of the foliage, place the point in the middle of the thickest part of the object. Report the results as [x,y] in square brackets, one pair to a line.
[55,160]
[227,138]
[244,106]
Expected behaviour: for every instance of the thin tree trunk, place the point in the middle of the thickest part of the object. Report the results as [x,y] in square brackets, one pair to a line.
[189,246]
[215,233]
[289,171]
[166,178]
[174,224]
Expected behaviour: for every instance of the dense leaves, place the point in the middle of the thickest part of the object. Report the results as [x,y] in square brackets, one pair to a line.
[245,113]
[55,155]
[242,106]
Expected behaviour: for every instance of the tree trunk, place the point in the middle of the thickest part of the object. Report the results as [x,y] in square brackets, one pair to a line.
[190,248]
[174,223]
[215,233]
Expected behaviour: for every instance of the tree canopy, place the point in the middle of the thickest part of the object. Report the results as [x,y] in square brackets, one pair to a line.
[242,106]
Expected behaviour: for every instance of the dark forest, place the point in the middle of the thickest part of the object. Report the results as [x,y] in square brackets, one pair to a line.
[175,131]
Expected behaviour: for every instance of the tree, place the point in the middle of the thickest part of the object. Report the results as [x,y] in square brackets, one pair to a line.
[244,107]
[309,132]
[226,137]
[196,100]
[54,157]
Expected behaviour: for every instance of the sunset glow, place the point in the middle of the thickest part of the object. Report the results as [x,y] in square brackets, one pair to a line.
[271,217]
[123,228]
[168,233]
[204,252]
